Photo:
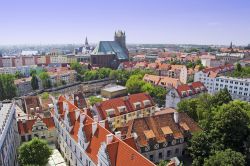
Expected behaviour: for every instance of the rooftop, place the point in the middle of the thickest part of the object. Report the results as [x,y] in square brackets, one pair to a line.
[5,109]
[110,47]
[162,128]
[114,88]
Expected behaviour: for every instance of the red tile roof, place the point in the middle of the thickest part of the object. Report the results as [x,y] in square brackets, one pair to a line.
[190,89]
[25,127]
[127,101]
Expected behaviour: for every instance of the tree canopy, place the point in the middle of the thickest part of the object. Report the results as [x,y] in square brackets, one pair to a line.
[227,157]
[93,100]
[34,82]
[44,76]
[7,86]
[34,152]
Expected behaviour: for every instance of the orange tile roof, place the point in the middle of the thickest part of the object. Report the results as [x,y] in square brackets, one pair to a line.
[119,152]
[161,125]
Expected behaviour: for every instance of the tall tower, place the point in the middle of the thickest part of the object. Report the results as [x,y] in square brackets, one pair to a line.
[120,37]
[86,41]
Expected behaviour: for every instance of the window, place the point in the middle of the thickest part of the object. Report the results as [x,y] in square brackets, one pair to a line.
[168,153]
[122,109]
[246,89]
[177,151]
[236,83]
[160,155]
[241,83]
[137,105]
[151,157]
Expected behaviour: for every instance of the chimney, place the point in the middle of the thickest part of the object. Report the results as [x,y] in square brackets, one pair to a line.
[118,134]
[109,138]
[102,123]
[95,118]
[94,127]
[176,117]
[135,135]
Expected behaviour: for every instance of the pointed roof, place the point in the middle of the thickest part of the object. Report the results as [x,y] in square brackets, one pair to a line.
[86,41]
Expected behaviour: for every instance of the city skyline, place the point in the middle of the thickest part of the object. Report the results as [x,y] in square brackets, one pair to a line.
[145,22]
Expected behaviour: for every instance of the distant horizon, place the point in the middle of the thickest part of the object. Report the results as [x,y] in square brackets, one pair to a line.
[194,22]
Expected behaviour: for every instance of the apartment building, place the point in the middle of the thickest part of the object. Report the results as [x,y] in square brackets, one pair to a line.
[119,111]
[62,76]
[9,140]
[164,81]
[186,91]
[160,137]
[25,70]
[85,141]
[213,79]
[174,71]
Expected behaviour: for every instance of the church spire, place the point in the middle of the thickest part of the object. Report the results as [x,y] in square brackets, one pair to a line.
[86,41]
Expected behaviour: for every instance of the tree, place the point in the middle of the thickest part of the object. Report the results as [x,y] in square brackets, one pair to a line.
[32,72]
[45,95]
[7,86]
[18,75]
[163,163]
[238,67]
[44,76]
[189,107]
[159,94]
[200,147]
[225,158]
[221,97]
[93,100]
[230,125]
[34,152]
[34,82]
[135,83]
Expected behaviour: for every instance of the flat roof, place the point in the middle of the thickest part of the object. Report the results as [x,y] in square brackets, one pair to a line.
[114,88]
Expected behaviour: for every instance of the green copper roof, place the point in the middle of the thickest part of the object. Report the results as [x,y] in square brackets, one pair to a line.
[110,47]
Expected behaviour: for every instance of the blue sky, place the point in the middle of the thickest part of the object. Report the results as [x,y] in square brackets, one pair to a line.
[145,21]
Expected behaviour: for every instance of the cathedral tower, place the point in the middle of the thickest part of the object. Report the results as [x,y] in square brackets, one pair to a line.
[120,37]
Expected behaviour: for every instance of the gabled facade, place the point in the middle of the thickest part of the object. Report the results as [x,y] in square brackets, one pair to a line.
[186,91]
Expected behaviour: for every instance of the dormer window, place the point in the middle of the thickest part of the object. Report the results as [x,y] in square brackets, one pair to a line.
[190,92]
[146,102]
[137,105]
[184,93]
[110,112]
[121,109]
[197,89]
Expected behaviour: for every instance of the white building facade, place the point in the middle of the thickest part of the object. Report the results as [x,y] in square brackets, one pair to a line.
[9,138]
[238,88]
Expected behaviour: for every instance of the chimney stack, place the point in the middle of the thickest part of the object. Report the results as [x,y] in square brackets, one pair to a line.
[102,123]
[176,117]
[118,134]
[109,138]
[94,127]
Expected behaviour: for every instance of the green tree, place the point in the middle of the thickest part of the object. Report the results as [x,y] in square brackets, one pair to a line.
[7,86]
[147,87]
[34,152]
[135,83]
[238,67]
[200,147]
[163,163]
[226,158]
[45,95]
[34,82]
[93,100]
[18,75]
[230,125]
[44,76]
[32,72]
[159,95]
[221,97]
[189,106]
